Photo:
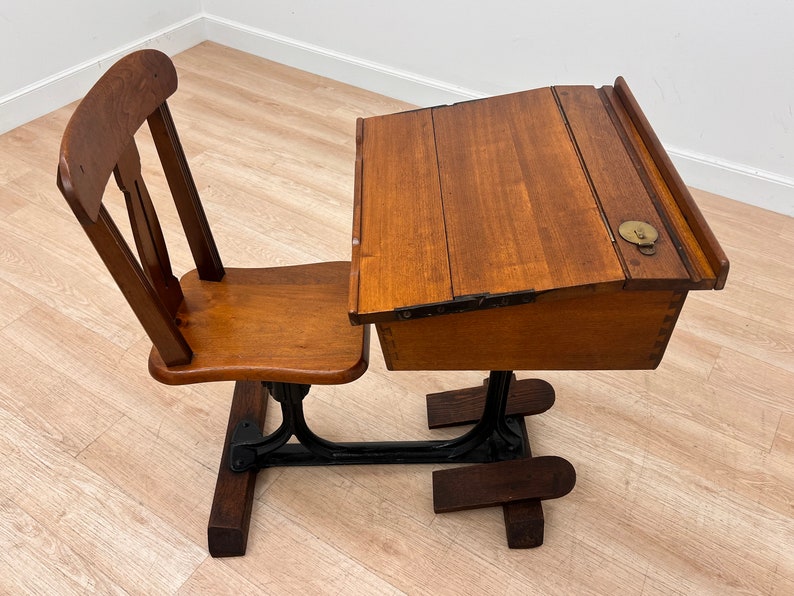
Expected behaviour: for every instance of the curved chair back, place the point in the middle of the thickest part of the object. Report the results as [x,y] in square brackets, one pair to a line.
[99,141]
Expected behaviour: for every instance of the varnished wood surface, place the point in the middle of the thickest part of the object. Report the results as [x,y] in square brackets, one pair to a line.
[685,480]
[282,324]
[514,196]
[621,189]
[507,166]
[602,331]
[410,258]
[101,131]
[488,485]
[465,406]
[669,182]
[233,501]
[277,324]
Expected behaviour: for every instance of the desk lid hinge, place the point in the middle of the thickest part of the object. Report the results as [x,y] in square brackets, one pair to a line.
[465,303]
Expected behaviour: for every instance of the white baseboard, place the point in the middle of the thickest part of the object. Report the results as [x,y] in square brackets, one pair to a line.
[738,181]
[379,78]
[42,97]
[767,190]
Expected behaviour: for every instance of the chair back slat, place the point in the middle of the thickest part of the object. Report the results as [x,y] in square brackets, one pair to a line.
[98,142]
[186,197]
[156,320]
[146,229]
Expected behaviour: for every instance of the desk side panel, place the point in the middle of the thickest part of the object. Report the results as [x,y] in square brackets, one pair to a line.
[402,249]
[605,331]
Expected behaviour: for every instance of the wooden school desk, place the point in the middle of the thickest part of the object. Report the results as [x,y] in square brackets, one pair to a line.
[542,230]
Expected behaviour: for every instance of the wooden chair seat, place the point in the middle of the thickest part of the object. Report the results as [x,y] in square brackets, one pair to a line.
[283,324]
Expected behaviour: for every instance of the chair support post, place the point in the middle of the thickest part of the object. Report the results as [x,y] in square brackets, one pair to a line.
[230,516]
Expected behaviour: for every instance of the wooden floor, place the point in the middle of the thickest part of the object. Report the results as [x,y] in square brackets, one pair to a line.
[685,474]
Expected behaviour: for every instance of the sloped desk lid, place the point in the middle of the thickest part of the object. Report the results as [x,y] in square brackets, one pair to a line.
[518,198]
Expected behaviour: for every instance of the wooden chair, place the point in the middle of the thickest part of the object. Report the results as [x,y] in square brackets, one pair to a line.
[276,329]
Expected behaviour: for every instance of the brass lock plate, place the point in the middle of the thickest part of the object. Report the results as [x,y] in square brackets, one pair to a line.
[641,233]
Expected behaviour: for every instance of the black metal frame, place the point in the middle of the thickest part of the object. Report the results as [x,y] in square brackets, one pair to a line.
[495,437]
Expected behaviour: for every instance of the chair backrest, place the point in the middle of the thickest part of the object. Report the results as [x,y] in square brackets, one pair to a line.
[99,141]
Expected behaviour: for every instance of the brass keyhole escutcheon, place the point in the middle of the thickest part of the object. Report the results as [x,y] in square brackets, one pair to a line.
[641,233]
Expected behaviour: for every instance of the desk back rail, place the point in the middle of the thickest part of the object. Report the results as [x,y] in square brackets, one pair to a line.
[700,228]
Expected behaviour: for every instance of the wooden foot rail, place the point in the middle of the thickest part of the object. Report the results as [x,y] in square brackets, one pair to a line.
[518,485]
[465,406]
[487,485]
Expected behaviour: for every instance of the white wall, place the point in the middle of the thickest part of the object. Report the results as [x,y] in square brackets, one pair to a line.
[715,77]
[52,51]
[41,39]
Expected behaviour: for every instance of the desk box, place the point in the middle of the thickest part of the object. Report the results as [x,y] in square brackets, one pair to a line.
[538,230]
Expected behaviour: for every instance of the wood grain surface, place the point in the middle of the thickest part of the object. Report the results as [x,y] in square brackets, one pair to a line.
[514,196]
